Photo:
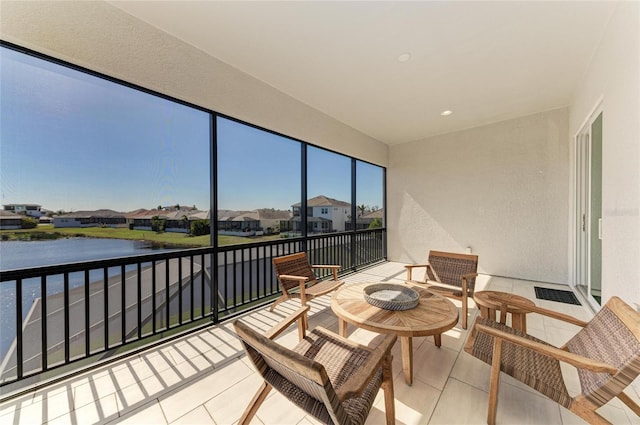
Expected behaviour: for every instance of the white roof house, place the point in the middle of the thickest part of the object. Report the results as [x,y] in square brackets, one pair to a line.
[32,210]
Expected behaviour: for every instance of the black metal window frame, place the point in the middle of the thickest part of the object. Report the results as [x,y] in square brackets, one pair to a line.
[355,249]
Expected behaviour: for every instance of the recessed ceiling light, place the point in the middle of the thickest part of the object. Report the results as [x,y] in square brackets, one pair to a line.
[446,113]
[404,57]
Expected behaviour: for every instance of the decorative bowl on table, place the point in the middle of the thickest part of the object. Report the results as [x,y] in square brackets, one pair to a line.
[391,296]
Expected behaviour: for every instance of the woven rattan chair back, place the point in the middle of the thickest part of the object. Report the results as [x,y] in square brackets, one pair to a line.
[447,267]
[605,352]
[296,265]
[612,337]
[302,380]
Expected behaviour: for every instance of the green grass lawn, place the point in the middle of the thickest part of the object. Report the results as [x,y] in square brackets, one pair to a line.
[165,238]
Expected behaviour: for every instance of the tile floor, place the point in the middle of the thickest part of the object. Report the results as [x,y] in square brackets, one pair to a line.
[204,378]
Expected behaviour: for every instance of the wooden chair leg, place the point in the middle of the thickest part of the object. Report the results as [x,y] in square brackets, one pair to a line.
[255,403]
[302,331]
[587,411]
[277,301]
[305,317]
[387,387]
[465,309]
[630,403]
[495,381]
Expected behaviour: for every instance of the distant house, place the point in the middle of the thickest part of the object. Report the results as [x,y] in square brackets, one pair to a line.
[144,220]
[200,215]
[10,221]
[251,223]
[324,215]
[365,220]
[45,219]
[98,218]
[175,220]
[32,210]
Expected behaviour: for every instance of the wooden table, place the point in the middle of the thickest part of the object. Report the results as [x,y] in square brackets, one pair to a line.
[489,307]
[433,315]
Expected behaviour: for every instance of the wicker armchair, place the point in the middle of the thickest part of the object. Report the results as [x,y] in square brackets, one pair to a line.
[606,353]
[450,274]
[331,378]
[297,279]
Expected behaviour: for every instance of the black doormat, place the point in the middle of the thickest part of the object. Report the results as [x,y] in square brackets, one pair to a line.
[566,297]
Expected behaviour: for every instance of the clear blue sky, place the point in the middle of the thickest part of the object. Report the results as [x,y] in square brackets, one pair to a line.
[74,142]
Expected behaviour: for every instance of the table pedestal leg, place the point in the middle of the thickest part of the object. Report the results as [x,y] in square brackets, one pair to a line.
[342,328]
[491,314]
[407,358]
[484,312]
[519,321]
[437,339]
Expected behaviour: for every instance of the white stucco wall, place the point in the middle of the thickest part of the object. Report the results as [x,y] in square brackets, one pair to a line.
[613,77]
[501,189]
[101,37]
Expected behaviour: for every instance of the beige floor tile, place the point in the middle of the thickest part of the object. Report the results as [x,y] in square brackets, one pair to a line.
[525,290]
[187,369]
[199,415]
[571,378]
[200,390]
[460,403]
[223,354]
[9,408]
[64,386]
[569,418]
[516,405]
[432,365]
[500,284]
[133,396]
[141,369]
[101,411]
[31,413]
[612,414]
[257,421]
[482,282]
[52,407]
[557,336]
[147,414]
[184,351]
[8,414]
[276,409]
[365,337]
[227,407]
[616,405]
[159,361]
[455,338]
[535,322]
[472,371]
[413,404]
[95,389]
[220,334]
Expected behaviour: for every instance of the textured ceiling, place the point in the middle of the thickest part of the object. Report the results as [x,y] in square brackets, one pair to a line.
[485,61]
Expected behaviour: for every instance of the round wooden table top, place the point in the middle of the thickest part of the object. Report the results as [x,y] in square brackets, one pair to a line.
[433,315]
[482,298]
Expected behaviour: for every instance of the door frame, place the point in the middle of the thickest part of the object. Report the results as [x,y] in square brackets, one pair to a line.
[578,164]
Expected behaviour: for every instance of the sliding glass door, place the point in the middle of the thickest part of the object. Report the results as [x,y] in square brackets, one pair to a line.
[588,220]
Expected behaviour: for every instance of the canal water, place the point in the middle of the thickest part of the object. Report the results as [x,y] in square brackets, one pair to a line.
[24,254]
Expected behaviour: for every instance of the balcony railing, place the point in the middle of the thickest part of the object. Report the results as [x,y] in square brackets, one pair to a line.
[98,309]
